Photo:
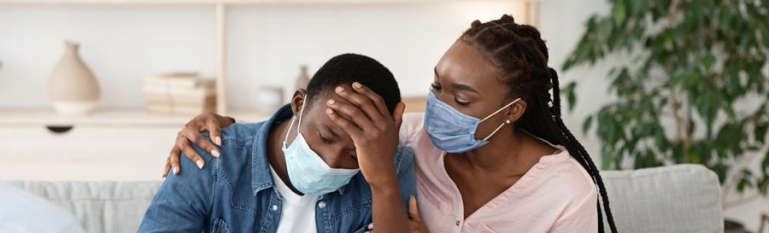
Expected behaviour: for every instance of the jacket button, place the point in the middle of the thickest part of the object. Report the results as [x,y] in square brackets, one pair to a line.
[322,205]
[274,207]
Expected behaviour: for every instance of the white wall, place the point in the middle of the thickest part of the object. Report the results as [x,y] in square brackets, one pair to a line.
[119,44]
[267,43]
[561,23]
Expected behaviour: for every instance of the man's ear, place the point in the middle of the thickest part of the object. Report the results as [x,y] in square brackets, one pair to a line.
[516,110]
[298,100]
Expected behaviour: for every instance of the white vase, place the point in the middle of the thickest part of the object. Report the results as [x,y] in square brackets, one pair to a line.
[73,89]
[303,79]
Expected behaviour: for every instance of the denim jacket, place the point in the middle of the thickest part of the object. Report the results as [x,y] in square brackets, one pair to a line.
[236,193]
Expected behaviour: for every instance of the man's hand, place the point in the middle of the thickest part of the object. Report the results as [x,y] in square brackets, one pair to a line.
[373,130]
[192,133]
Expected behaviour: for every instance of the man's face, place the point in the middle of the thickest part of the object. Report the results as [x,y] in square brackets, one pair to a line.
[323,136]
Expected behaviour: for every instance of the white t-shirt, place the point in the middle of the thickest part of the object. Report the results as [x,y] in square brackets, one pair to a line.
[24,212]
[298,214]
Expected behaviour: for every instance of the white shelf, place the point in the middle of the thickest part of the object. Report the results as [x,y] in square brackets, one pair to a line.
[118,145]
[107,117]
[220,8]
[229,2]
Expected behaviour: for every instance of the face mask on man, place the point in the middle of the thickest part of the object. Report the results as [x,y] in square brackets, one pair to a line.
[308,173]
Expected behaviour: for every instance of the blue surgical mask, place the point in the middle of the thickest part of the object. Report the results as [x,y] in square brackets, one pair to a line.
[308,173]
[453,131]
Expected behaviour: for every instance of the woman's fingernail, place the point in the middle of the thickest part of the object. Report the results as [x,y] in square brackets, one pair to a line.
[331,101]
[329,111]
[356,85]
[176,171]
[200,164]
[340,89]
[218,141]
[371,226]
[215,153]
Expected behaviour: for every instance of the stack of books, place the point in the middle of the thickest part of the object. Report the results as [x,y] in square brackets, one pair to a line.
[179,93]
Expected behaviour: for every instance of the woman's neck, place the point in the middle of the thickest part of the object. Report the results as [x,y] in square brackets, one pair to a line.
[512,152]
[503,149]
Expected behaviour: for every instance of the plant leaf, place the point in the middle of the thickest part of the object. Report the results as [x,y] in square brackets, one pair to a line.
[760,132]
[586,124]
[620,13]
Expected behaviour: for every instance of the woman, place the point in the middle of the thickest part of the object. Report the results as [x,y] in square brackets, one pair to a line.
[492,152]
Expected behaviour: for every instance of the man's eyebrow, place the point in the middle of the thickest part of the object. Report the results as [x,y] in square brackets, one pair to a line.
[333,134]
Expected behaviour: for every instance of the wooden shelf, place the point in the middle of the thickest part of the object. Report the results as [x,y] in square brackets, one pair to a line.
[107,117]
[415,104]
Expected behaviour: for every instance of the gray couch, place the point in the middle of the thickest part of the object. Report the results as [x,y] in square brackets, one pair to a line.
[675,199]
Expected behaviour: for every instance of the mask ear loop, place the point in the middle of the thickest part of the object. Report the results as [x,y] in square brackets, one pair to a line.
[495,131]
[501,125]
[301,112]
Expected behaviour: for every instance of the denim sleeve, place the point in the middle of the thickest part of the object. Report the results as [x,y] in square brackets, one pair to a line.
[406,177]
[183,202]
[362,230]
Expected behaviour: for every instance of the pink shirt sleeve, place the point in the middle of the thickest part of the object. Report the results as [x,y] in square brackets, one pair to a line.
[581,217]
[412,123]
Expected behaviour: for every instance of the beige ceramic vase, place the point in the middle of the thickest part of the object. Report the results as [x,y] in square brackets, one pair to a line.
[303,79]
[73,89]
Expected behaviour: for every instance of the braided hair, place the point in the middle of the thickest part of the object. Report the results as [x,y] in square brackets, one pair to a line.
[521,58]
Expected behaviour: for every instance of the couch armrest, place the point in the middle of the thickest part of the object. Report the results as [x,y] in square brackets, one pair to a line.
[675,199]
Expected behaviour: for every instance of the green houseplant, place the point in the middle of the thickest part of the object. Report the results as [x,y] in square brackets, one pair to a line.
[694,90]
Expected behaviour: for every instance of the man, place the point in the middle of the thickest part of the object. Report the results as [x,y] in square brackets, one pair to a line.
[320,164]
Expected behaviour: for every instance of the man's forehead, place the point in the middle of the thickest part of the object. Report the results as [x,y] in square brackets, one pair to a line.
[321,106]
[322,100]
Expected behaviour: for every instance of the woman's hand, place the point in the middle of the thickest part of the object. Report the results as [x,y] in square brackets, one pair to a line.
[415,222]
[192,133]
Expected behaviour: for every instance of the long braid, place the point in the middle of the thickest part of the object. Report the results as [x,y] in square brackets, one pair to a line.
[556,92]
[584,154]
[521,55]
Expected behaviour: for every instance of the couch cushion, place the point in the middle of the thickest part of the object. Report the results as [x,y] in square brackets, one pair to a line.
[108,207]
[675,199]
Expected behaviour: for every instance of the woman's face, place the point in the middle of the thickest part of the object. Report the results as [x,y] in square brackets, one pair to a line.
[465,80]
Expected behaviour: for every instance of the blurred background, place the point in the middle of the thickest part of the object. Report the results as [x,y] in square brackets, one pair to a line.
[96,90]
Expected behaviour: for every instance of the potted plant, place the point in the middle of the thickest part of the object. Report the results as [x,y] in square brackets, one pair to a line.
[695,90]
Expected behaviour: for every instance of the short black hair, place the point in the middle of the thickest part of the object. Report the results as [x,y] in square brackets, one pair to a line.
[348,68]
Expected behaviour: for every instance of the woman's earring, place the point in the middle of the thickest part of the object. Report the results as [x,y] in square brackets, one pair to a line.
[507,122]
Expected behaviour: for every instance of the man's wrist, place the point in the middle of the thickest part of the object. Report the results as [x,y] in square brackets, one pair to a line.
[385,183]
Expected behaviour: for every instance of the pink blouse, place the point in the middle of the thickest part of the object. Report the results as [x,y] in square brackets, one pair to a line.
[556,195]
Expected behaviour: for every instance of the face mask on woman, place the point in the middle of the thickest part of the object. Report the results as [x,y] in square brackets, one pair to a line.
[453,131]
